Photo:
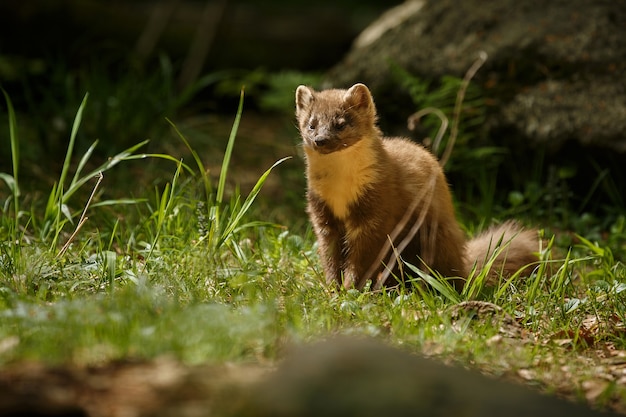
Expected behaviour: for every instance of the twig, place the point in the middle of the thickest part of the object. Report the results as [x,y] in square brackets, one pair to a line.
[482,57]
[83,217]
[413,120]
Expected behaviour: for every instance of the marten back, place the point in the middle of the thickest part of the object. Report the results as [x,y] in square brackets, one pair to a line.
[439,242]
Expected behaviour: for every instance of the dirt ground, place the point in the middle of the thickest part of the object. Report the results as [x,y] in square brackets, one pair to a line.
[339,377]
[162,387]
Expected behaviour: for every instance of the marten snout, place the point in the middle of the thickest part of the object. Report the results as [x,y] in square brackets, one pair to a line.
[325,142]
[321,141]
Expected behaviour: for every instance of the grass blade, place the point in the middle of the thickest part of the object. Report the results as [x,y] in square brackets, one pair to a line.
[229,151]
[13,183]
[440,285]
[234,221]
[15,150]
[163,210]
[82,163]
[70,146]
[205,177]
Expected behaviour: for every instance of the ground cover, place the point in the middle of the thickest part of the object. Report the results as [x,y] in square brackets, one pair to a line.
[193,275]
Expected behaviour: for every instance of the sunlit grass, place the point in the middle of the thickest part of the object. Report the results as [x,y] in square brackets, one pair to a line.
[189,272]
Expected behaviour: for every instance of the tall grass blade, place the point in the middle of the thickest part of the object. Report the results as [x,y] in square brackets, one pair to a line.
[234,221]
[55,199]
[597,250]
[110,261]
[440,285]
[165,203]
[70,146]
[205,175]
[229,151]
[559,282]
[82,163]
[13,181]
[78,182]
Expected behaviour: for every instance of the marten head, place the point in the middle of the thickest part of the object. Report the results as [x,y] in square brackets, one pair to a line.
[332,120]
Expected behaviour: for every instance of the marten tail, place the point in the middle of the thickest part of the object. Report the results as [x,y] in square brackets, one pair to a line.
[516,248]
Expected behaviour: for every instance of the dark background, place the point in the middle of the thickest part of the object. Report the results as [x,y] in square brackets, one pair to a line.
[144,60]
[244,34]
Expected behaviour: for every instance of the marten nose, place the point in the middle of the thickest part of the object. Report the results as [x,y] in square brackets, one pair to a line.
[321,141]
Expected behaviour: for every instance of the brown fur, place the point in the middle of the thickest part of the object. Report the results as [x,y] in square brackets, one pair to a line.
[517,249]
[372,198]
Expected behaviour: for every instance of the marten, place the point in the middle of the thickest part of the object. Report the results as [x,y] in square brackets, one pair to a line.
[375,202]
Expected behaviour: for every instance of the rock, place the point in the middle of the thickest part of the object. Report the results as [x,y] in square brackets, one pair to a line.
[363,377]
[555,71]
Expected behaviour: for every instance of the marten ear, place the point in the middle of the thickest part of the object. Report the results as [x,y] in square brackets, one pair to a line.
[304,97]
[359,96]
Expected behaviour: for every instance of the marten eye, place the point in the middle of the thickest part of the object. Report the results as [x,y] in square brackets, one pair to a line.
[340,123]
[312,124]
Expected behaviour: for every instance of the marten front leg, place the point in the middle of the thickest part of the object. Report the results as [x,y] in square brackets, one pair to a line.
[329,233]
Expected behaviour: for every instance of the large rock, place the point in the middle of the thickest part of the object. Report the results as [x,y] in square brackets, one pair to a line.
[353,377]
[555,71]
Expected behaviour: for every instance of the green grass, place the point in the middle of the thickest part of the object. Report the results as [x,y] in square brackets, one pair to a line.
[188,271]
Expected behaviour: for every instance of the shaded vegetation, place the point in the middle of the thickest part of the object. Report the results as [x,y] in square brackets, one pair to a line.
[188,270]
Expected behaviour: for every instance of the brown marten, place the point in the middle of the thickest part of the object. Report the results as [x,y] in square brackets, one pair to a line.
[376,201]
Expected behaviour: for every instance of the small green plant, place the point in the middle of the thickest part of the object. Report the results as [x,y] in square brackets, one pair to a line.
[224,219]
[456,100]
[48,228]
[458,105]
[57,212]
[12,181]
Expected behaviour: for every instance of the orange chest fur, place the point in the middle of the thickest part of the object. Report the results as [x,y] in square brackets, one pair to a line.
[340,178]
